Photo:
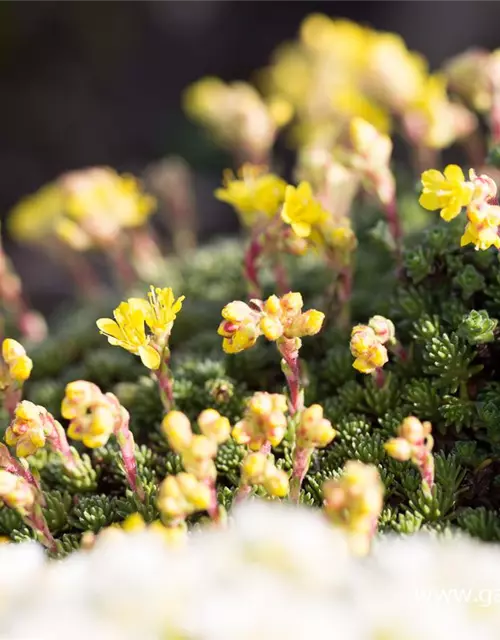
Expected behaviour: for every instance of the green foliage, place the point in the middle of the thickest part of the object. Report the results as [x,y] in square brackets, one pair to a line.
[447,372]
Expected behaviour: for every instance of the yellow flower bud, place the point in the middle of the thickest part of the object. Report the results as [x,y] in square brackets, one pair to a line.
[292,302]
[20,370]
[271,328]
[16,492]
[196,493]
[399,449]
[272,305]
[239,434]
[177,429]
[253,468]
[314,430]
[412,430]
[313,321]
[27,430]
[276,483]
[214,426]
[383,328]
[12,350]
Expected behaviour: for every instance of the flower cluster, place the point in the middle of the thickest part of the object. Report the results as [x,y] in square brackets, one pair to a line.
[258,469]
[354,503]
[255,195]
[449,192]
[197,453]
[313,431]
[237,116]
[415,442]
[368,344]
[15,369]
[95,416]
[264,423]
[182,495]
[276,319]
[83,208]
[18,364]
[32,428]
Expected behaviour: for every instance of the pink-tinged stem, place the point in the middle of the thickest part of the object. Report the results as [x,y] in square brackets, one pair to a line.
[11,399]
[379,376]
[124,271]
[292,374]
[127,449]
[37,522]
[213,509]
[59,443]
[165,386]
[301,462]
[281,277]
[250,270]
[344,293]
[243,493]
[10,464]
[426,466]
[392,215]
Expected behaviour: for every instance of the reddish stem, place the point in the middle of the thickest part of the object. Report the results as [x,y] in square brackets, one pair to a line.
[292,374]
[392,215]
[281,277]
[59,443]
[37,522]
[127,449]
[301,462]
[165,386]
[250,271]
[124,271]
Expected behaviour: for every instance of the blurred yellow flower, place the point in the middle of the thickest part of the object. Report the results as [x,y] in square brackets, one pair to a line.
[301,210]
[33,218]
[255,193]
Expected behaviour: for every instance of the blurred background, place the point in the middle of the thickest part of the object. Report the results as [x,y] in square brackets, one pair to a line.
[93,83]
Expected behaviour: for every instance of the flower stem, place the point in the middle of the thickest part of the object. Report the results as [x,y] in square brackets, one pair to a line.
[250,270]
[127,449]
[291,369]
[165,383]
[392,215]
[37,522]
[301,462]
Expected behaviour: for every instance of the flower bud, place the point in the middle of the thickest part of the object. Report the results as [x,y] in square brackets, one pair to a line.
[214,426]
[177,429]
[383,329]
[399,449]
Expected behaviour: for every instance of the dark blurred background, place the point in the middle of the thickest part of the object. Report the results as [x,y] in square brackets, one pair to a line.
[88,83]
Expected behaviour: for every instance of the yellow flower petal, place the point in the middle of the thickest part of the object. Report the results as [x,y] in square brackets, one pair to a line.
[454,173]
[302,229]
[149,356]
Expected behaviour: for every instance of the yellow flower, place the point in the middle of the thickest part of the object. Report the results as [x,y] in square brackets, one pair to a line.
[399,449]
[177,429]
[16,492]
[127,331]
[214,426]
[100,193]
[482,228]
[367,349]
[264,421]
[94,429]
[160,310]
[17,361]
[314,430]
[254,193]
[26,431]
[449,192]
[301,210]
[240,327]
[33,219]
[182,495]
